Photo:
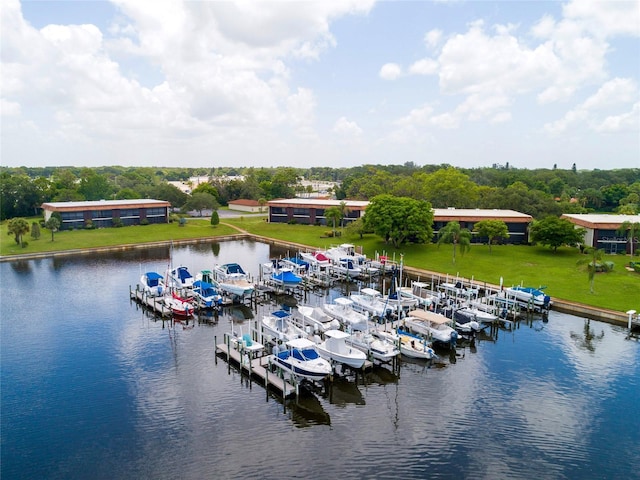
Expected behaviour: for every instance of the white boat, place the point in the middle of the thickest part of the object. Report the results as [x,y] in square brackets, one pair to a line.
[316,259]
[278,325]
[345,250]
[346,267]
[419,291]
[529,297]
[396,300]
[243,342]
[459,290]
[301,359]
[471,312]
[432,325]
[342,310]
[298,265]
[316,318]
[206,294]
[180,278]
[232,279]
[179,306]
[379,348]
[335,349]
[370,300]
[152,284]
[414,346]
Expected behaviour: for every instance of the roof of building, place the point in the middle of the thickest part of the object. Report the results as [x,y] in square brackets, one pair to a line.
[245,202]
[104,204]
[479,214]
[317,202]
[600,220]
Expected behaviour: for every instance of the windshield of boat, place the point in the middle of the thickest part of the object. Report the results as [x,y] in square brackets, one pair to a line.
[305,354]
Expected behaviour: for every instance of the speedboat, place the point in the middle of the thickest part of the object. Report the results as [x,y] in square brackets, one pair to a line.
[379,348]
[346,267]
[152,284]
[181,278]
[342,310]
[179,306]
[278,325]
[414,346]
[316,318]
[335,349]
[370,300]
[529,297]
[206,294]
[301,359]
[432,325]
[232,279]
[316,259]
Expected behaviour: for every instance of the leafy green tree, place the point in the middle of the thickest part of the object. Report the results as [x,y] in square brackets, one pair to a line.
[595,263]
[262,202]
[35,230]
[169,193]
[201,201]
[399,219]
[18,227]
[454,234]
[450,188]
[555,232]
[94,186]
[492,229]
[629,230]
[53,224]
[358,227]
[215,218]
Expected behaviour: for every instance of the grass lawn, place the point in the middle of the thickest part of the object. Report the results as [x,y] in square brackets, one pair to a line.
[528,265]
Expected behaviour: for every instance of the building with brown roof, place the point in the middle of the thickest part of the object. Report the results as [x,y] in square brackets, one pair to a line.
[107,213]
[601,230]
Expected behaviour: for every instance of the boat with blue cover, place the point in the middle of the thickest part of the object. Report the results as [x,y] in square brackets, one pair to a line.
[301,359]
[152,284]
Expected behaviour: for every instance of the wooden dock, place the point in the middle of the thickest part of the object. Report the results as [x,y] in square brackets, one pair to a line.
[153,303]
[258,367]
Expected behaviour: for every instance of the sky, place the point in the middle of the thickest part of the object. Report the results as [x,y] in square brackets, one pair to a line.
[167,83]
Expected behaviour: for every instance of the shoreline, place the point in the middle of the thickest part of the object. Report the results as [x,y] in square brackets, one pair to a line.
[566,306]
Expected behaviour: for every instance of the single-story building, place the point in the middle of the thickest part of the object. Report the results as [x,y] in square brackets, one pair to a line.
[104,213]
[310,211]
[517,223]
[601,230]
[243,205]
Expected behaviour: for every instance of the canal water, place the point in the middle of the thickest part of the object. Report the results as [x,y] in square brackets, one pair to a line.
[93,386]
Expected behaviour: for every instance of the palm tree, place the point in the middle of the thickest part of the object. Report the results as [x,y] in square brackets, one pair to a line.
[594,264]
[18,227]
[333,213]
[344,211]
[630,230]
[454,234]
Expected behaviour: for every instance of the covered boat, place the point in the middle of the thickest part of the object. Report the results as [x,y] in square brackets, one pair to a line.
[301,359]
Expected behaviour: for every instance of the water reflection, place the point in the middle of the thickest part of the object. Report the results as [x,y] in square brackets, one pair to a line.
[307,410]
[587,339]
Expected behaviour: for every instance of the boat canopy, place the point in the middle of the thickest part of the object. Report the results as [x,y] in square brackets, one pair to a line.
[428,316]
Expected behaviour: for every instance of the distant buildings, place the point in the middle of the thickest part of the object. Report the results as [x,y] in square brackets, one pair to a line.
[312,212]
[107,213]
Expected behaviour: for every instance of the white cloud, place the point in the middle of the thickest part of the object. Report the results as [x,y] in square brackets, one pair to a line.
[9,109]
[390,71]
[432,37]
[606,18]
[426,66]
[626,122]
[347,128]
[614,93]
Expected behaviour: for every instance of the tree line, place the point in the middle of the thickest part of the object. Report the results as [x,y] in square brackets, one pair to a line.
[537,192]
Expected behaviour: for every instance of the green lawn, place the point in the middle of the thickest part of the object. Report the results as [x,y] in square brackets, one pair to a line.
[530,265]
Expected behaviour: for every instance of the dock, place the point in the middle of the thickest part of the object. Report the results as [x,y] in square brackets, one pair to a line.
[153,303]
[257,366]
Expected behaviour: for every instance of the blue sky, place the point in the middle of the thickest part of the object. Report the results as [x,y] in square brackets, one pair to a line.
[339,84]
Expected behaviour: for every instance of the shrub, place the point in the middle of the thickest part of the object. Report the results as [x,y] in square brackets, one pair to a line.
[144,221]
[117,222]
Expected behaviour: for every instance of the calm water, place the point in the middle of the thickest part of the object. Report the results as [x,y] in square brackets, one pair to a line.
[93,387]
